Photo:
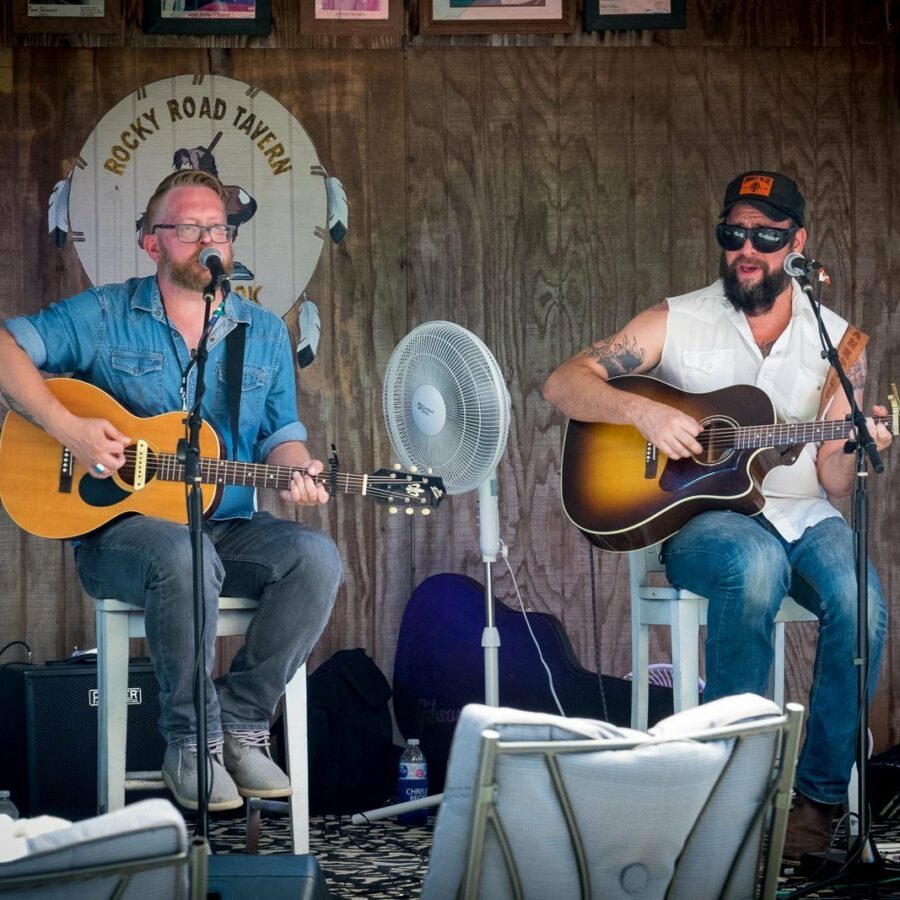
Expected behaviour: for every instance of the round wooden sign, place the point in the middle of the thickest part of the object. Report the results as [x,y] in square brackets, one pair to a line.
[277,197]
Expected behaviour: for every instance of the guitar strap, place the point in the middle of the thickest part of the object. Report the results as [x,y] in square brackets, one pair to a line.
[234,368]
[849,349]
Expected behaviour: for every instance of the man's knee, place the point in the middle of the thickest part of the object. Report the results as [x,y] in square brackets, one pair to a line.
[729,553]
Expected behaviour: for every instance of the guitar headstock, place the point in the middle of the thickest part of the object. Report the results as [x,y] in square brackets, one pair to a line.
[894,400]
[409,490]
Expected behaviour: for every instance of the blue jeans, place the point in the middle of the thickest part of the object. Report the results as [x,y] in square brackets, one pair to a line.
[293,570]
[745,568]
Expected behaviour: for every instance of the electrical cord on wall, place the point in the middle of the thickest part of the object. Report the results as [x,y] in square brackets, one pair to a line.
[19,643]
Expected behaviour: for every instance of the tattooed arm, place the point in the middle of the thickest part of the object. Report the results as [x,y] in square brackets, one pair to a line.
[578,387]
[837,469]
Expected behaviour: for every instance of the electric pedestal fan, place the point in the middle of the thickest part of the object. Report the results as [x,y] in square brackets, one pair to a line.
[447,409]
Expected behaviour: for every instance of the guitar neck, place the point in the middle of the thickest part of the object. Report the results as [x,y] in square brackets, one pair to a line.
[787,433]
[231,472]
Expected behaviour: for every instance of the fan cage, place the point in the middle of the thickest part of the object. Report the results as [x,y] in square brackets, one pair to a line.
[458,364]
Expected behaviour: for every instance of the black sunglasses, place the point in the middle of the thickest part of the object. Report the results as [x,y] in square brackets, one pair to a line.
[765,239]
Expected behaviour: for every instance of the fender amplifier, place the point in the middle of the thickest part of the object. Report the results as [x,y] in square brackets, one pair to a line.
[48,756]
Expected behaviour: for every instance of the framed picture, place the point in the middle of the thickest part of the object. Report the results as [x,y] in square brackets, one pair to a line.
[71,17]
[352,17]
[496,16]
[199,17]
[622,15]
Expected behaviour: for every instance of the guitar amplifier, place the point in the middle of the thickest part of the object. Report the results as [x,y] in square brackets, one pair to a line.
[48,755]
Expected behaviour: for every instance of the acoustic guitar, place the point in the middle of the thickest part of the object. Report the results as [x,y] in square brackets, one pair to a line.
[50,494]
[625,495]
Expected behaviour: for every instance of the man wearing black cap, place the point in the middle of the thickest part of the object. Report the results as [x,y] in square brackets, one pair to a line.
[755,326]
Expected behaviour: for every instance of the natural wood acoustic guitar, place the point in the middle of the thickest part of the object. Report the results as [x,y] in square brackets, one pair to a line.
[50,494]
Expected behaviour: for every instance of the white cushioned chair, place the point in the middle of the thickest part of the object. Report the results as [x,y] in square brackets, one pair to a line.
[539,806]
[140,852]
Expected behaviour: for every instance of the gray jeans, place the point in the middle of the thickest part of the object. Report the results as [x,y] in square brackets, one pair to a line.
[293,570]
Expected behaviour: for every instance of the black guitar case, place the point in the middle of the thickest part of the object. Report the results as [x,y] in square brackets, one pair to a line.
[439,668]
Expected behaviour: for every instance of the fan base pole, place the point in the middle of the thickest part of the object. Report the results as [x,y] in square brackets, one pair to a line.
[490,640]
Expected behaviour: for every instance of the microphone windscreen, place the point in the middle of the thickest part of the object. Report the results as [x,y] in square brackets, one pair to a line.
[209,256]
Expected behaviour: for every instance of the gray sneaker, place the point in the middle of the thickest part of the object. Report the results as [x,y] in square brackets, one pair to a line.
[179,772]
[249,761]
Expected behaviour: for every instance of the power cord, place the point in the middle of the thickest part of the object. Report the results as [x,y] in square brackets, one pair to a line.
[28,653]
[504,554]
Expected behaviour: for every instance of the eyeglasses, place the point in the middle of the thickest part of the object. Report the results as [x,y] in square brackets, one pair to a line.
[190,234]
[765,239]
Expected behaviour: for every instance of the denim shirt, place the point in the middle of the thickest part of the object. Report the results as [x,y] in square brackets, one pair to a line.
[116,337]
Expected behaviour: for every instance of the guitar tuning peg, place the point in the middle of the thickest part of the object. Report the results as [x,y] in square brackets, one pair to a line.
[409,511]
[396,467]
[429,471]
[413,469]
[392,510]
[426,511]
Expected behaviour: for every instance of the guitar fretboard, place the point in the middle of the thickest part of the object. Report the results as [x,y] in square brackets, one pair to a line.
[227,471]
[748,437]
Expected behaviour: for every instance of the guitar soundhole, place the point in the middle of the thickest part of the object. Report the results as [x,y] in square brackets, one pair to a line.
[717,440]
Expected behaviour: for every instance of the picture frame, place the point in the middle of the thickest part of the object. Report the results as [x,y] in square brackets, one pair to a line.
[352,18]
[202,17]
[624,15]
[491,17]
[49,17]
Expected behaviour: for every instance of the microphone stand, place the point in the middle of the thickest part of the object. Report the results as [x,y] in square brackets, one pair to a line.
[862,859]
[188,453]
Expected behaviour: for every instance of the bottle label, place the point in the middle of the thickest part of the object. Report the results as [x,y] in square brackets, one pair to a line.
[411,789]
[413,770]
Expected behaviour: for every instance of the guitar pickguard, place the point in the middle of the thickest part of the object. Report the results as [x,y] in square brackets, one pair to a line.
[688,475]
[100,492]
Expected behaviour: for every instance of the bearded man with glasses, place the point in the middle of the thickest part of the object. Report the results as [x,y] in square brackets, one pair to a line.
[755,326]
[138,341]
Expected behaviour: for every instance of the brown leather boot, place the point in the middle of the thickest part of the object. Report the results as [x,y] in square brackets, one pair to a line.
[809,828]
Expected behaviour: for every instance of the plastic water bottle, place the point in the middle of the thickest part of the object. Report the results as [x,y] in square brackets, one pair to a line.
[7,807]
[412,783]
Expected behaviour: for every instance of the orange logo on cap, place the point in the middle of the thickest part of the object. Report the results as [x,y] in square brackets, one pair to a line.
[761,185]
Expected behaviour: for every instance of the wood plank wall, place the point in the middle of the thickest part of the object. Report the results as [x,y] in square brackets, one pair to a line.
[538,190]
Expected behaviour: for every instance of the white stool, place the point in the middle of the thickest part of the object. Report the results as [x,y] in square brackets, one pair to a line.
[117,622]
[655,602]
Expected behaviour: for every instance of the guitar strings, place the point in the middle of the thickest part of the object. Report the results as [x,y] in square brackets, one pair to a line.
[375,485]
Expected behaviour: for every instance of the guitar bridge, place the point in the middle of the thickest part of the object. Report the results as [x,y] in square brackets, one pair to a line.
[651,462]
[66,469]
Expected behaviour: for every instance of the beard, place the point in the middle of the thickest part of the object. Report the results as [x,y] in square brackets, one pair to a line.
[755,299]
[184,274]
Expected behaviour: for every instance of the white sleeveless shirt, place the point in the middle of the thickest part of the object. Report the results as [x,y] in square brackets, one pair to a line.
[709,346]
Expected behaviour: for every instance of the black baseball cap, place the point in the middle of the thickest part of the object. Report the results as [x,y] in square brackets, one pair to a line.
[774,194]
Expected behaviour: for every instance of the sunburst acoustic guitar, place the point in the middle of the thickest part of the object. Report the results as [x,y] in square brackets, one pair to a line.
[50,494]
[625,495]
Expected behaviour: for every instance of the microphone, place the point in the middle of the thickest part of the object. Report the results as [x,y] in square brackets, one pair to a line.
[795,264]
[211,258]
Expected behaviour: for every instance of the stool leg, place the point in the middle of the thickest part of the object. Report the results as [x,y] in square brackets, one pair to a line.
[112,708]
[295,739]
[685,654]
[640,674]
[776,673]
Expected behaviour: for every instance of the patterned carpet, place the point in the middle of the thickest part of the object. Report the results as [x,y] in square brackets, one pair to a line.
[383,860]
[386,860]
